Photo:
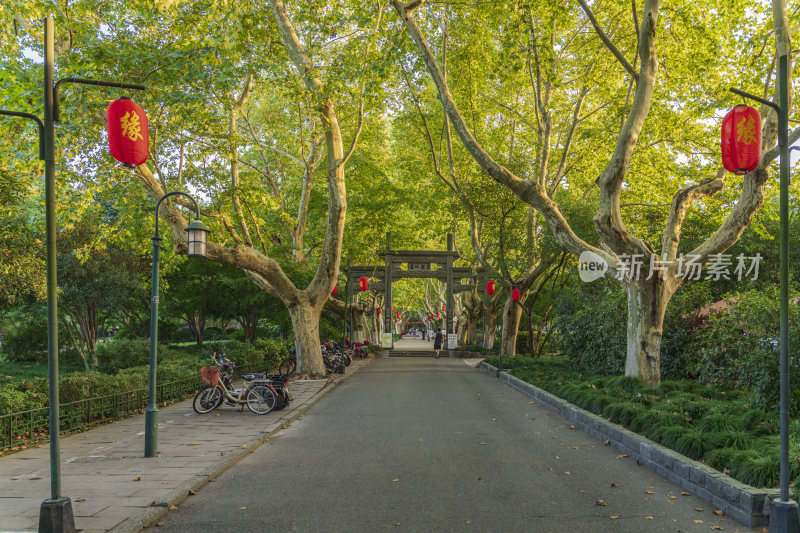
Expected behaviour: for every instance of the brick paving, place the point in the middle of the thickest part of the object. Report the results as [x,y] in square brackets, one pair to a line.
[113,486]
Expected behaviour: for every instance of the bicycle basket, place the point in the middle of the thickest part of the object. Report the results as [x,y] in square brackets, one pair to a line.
[209,375]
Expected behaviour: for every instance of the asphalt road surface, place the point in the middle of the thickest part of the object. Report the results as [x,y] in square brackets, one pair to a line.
[421,444]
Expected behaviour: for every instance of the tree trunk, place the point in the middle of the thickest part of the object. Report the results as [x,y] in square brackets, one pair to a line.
[512,312]
[360,329]
[305,325]
[490,325]
[647,301]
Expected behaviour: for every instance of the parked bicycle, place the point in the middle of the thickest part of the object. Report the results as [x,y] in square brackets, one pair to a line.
[259,395]
[279,382]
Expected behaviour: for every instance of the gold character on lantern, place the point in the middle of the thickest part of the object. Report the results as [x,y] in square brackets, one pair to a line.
[746,130]
[131,128]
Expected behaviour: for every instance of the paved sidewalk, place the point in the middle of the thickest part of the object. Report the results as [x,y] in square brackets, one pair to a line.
[113,486]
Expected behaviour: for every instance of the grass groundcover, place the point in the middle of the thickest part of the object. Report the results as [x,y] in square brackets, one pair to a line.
[714,425]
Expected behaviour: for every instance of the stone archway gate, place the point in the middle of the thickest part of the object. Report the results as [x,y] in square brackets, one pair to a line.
[402,264]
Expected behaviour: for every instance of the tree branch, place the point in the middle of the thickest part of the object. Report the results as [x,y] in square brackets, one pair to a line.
[603,37]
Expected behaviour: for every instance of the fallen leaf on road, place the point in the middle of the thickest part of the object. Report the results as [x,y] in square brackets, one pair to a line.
[194,444]
[700,509]
[397,523]
[531,401]
[192,493]
[244,445]
[719,512]
[137,478]
[572,426]
[568,473]
[684,493]
[211,480]
[583,492]
[673,497]
[698,521]
[717,528]
[159,524]
[622,456]
[242,508]
[600,503]
[469,521]
[649,517]
[606,443]
[649,491]
[80,499]
[223,453]
[483,444]
[173,507]
[613,517]
[395,480]
[494,420]
[612,485]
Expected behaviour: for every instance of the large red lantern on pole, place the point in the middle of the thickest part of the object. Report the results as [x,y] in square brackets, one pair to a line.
[363,283]
[128,134]
[741,139]
[515,295]
[490,287]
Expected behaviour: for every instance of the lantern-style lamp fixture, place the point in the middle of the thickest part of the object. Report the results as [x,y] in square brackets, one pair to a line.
[490,287]
[128,133]
[741,139]
[197,237]
[515,295]
[363,283]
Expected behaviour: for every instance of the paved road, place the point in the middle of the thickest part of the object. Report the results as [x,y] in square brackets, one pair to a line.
[434,445]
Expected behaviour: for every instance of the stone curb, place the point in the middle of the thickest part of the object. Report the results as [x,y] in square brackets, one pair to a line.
[180,493]
[744,503]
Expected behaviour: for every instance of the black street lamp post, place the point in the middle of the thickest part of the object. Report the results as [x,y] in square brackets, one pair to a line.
[197,234]
[56,512]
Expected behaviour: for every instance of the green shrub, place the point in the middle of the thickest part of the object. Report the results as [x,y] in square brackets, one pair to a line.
[740,347]
[119,353]
[28,341]
[590,344]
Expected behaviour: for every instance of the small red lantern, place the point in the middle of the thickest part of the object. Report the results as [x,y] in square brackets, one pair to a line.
[128,134]
[335,290]
[490,287]
[363,284]
[437,314]
[741,139]
[379,310]
[443,309]
[515,295]
[397,314]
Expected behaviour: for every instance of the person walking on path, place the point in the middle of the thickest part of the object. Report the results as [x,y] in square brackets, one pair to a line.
[437,343]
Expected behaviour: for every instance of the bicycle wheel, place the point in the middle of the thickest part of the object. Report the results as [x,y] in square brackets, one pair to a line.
[207,400]
[260,399]
[287,366]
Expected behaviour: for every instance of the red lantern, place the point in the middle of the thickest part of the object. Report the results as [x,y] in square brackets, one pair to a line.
[490,287]
[443,309]
[363,284]
[397,314]
[437,314]
[128,134]
[741,139]
[379,310]
[335,290]
[515,295]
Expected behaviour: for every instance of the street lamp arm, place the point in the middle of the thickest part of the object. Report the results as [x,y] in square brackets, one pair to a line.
[173,193]
[773,105]
[57,88]
[38,123]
